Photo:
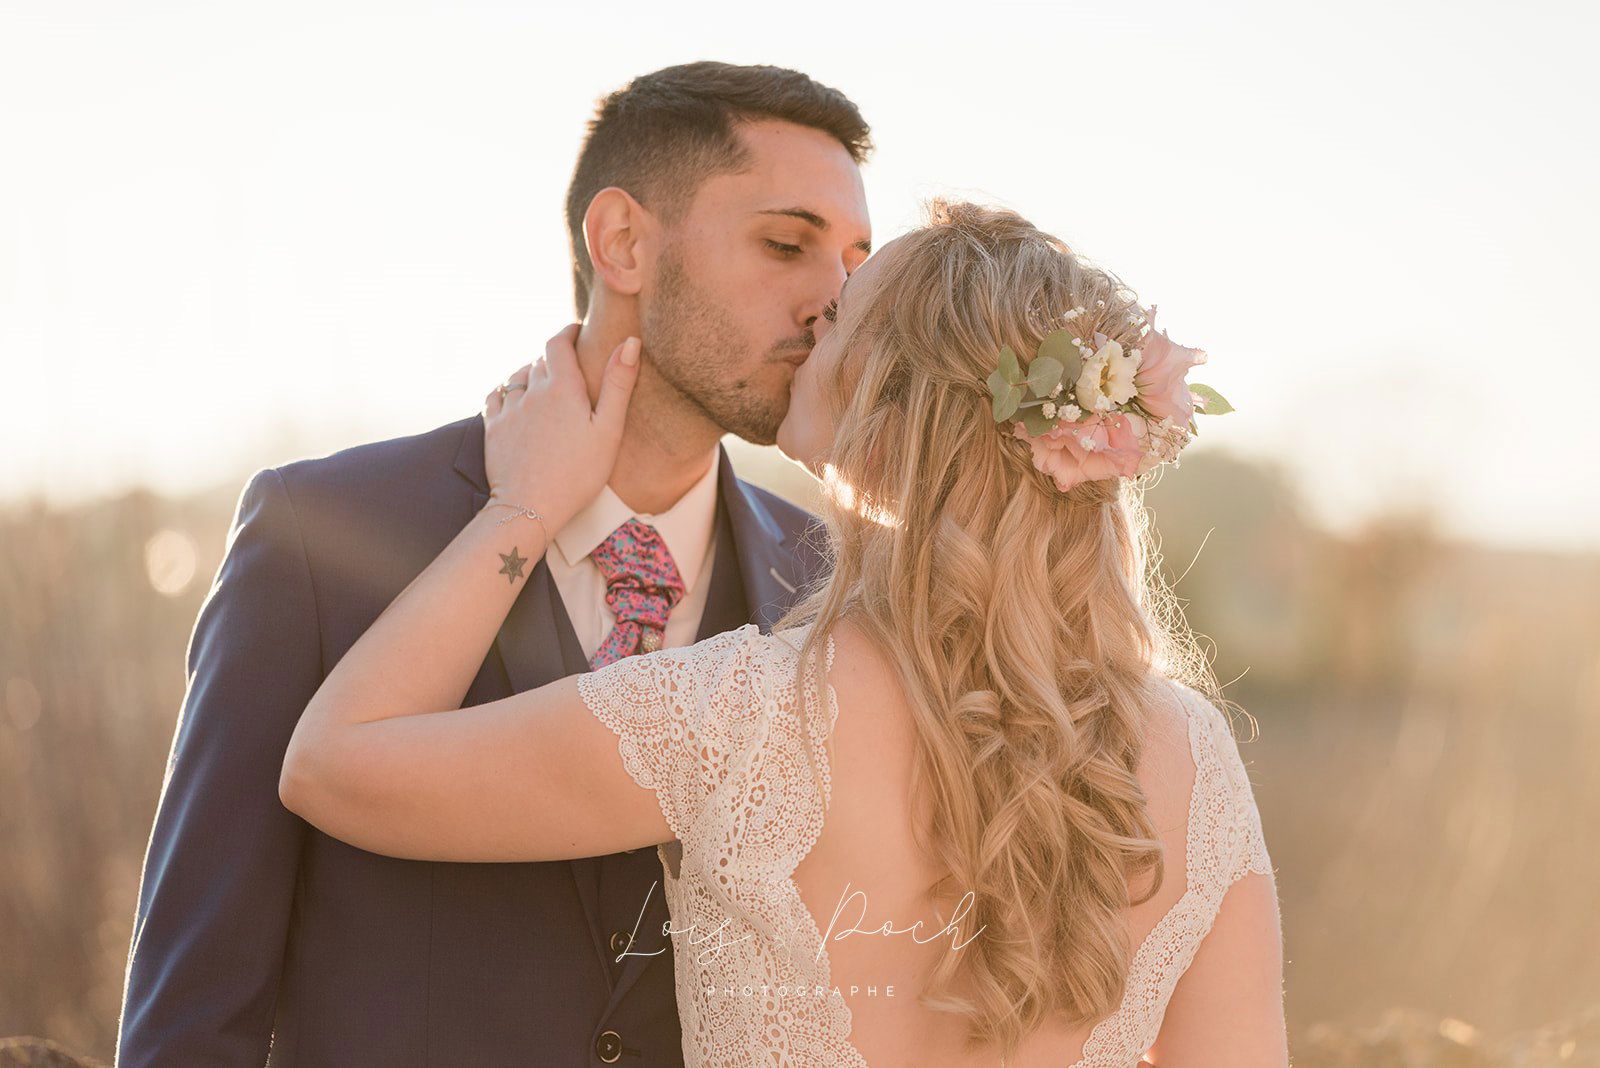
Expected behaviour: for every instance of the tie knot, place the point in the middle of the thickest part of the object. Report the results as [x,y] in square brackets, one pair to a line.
[635,557]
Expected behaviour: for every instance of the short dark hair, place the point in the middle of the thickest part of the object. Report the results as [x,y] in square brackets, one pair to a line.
[663,134]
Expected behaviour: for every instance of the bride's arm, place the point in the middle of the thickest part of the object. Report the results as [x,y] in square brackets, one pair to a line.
[1227,1009]
[383,757]
[384,760]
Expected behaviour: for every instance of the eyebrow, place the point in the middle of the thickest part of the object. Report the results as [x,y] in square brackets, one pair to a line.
[815,220]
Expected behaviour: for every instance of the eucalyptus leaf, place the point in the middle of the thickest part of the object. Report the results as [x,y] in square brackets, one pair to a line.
[1044,375]
[1057,345]
[1010,369]
[1211,402]
[997,384]
[1005,404]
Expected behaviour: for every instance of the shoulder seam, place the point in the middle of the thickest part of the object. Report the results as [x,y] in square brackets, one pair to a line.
[305,560]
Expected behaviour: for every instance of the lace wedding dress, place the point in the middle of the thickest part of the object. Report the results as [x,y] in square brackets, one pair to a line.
[714,730]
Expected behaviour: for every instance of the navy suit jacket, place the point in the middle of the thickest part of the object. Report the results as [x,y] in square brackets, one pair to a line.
[255,930]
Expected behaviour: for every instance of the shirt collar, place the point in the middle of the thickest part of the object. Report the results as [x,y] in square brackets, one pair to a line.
[686,527]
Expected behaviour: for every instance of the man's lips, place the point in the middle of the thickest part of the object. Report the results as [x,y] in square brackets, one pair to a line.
[798,358]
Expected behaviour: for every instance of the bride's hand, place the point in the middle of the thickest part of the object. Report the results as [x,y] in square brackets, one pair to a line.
[544,447]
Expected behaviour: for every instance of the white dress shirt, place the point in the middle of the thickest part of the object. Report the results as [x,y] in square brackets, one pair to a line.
[689,530]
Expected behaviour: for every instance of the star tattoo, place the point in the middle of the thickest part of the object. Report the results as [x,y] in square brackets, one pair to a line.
[513,565]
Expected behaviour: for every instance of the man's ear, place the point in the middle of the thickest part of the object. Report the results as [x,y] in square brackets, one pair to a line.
[621,237]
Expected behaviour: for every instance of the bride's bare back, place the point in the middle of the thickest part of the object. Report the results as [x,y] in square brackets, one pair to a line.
[865,872]
[780,905]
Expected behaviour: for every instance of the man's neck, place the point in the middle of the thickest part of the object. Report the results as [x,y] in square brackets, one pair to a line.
[665,449]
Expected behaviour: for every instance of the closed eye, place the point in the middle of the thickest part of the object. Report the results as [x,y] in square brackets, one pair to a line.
[782,249]
[831,312]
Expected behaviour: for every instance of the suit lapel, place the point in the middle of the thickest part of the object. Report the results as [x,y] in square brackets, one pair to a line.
[765,551]
[727,606]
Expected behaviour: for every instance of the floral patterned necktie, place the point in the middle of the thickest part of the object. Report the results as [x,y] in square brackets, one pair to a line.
[642,585]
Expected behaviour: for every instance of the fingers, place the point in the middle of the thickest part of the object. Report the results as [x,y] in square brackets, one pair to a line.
[514,387]
[561,351]
[520,378]
[616,386]
[559,364]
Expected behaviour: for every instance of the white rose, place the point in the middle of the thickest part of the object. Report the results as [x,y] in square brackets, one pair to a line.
[1107,378]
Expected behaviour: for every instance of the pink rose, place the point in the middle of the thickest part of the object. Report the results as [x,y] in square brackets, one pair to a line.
[1104,445]
[1160,378]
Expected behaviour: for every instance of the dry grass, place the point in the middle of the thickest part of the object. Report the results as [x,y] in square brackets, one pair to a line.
[1429,720]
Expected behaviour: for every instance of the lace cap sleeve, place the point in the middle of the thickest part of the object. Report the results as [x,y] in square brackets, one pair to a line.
[682,716]
[1249,845]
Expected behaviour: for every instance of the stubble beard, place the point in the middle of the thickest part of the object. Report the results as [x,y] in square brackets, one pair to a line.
[698,350]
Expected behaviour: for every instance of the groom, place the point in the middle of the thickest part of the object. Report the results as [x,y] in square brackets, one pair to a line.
[715,210]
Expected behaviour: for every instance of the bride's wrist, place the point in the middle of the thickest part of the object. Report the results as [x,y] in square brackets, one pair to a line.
[512,507]
[522,496]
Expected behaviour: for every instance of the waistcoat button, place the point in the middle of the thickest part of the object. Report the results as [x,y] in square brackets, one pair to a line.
[608,1047]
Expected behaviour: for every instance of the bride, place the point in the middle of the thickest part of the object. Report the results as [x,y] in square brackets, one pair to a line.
[968,803]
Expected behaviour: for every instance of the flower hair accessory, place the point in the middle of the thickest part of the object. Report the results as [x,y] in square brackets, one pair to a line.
[1092,410]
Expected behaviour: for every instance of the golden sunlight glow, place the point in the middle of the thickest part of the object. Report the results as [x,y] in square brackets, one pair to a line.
[169,561]
[844,495]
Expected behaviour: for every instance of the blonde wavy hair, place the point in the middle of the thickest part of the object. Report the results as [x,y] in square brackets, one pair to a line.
[1031,629]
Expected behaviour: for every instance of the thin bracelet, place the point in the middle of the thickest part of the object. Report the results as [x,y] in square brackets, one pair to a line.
[520,512]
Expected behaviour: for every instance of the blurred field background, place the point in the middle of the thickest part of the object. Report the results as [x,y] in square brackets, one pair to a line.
[1424,760]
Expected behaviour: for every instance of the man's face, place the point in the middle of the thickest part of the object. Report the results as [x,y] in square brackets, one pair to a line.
[745,274]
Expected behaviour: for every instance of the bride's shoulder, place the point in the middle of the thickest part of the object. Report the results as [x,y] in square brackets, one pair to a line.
[1213,738]
[750,657]
[719,647]
[1169,714]
[1183,729]
[1181,705]
[857,665]
[1166,760]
